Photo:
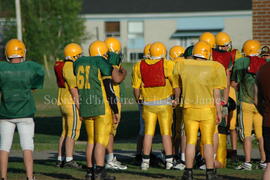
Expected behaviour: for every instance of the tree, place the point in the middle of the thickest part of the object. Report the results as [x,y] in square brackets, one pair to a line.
[48,25]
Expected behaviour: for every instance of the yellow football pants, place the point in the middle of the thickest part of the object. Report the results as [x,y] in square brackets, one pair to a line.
[162,113]
[71,123]
[249,117]
[99,128]
[233,115]
[199,118]
[221,155]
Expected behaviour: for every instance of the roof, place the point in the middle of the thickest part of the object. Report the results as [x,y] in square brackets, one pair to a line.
[162,6]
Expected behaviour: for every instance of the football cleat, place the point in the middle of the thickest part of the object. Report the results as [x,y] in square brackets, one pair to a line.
[116,165]
[244,166]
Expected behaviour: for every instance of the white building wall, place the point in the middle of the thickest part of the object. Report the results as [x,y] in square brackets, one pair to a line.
[240,30]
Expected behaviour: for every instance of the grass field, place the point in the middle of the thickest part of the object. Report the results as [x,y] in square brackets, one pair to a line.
[48,129]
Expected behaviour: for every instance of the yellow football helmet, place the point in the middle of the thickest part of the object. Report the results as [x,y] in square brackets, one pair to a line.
[15,49]
[72,51]
[157,50]
[113,44]
[176,51]
[252,48]
[202,50]
[146,50]
[98,48]
[209,38]
[223,39]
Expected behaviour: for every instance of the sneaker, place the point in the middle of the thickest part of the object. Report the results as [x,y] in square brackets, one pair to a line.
[188,175]
[179,165]
[59,164]
[116,165]
[169,165]
[72,164]
[262,165]
[103,176]
[145,165]
[202,167]
[244,166]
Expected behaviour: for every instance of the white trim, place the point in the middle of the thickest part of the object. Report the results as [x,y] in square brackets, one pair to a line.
[169,15]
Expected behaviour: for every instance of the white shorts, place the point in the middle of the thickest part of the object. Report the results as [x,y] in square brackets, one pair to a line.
[25,126]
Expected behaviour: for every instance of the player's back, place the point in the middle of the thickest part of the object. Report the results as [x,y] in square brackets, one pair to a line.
[199,78]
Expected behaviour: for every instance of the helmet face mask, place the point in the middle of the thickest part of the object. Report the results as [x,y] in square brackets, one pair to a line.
[223,41]
[15,49]
[146,51]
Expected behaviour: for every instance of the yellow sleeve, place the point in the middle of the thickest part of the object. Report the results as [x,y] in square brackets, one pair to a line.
[219,77]
[136,76]
[68,74]
[176,72]
[171,76]
[238,55]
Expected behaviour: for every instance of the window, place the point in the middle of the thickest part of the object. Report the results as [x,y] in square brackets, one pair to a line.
[135,40]
[112,28]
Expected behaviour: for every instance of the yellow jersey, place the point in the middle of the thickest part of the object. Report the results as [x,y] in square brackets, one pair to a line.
[155,93]
[198,79]
[64,94]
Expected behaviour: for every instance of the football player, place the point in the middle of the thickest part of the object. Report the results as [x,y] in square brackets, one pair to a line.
[71,122]
[226,55]
[115,58]
[179,139]
[17,107]
[243,78]
[200,112]
[154,82]
[97,101]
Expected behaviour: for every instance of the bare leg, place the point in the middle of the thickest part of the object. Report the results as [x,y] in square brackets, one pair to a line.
[69,146]
[61,148]
[4,163]
[147,144]
[247,148]
[109,148]
[99,154]
[261,148]
[167,144]
[89,154]
[234,139]
[266,175]
[28,163]
[215,146]
[209,156]
[190,154]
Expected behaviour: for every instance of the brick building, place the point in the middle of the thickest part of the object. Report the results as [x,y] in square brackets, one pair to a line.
[261,21]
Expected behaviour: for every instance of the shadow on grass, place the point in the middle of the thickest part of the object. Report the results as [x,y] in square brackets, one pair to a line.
[128,127]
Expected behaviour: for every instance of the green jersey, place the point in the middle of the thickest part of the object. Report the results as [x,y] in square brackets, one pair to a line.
[16,84]
[89,73]
[246,80]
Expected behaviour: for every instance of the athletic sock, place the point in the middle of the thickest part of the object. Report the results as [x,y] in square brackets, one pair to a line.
[109,157]
[183,157]
[68,159]
[60,158]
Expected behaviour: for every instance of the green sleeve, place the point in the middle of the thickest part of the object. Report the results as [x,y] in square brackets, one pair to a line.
[105,67]
[38,76]
[114,58]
